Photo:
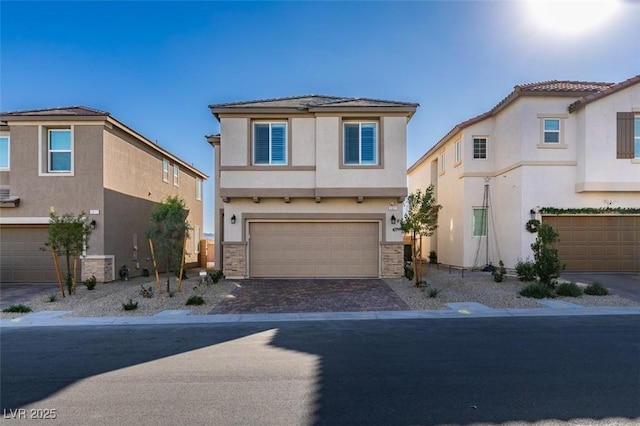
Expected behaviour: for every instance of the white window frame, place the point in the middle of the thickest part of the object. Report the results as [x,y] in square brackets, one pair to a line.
[484,225]
[254,150]
[458,150]
[198,189]
[376,148]
[8,166]
[442,165]
[486,147]
[176,175]
[546,131]
[44,168]
[561,125]
[165,170]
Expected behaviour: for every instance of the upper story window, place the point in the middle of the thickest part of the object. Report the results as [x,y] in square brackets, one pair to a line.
[551,127]
[59,151]
[442,158]
[176,175]
[360,143]
[458,152]
[270,143]
[552,130]
[198,189]
[4,153]
[479,148]
[165,170]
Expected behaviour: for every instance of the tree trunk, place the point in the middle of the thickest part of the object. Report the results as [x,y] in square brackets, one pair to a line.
[57,267]
[414,255]
[75,274]
[184,249]
[155,267]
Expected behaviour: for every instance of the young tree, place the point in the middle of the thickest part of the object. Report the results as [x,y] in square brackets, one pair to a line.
[168,230]
[69,236]
[547,264]
[420,220]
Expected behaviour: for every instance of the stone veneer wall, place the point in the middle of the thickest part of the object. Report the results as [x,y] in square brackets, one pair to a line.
[392,260]
[100,267]
[234,260]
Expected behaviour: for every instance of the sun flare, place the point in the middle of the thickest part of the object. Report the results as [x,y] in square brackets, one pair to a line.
[572,16]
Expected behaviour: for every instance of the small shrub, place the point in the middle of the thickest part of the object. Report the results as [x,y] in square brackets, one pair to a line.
[195,300]
[130,305]
[433,293]
[215,276]
[91,282]
[596,289]
[526,270]
[537,291]
[19,308]
[172,293]
[147,293]
[569,289]
[499,272]
[408,272]
[52,297]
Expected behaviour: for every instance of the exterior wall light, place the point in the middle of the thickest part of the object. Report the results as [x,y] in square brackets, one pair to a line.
[233,219]
[393,219]
[93,224]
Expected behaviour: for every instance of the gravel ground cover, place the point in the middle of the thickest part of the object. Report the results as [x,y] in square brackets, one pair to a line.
[480,287]
[106,300]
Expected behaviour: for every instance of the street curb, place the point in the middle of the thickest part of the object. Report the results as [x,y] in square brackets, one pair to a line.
[169,317]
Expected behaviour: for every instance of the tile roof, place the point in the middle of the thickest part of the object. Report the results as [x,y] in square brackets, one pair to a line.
[605,92]
[562,86]
[308,102]
[70,110]
[584,90]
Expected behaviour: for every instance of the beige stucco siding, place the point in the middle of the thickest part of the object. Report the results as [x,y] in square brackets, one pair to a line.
[303,141]
[38,193]
[134,184]
[236,131]
[267,179]
[598,131]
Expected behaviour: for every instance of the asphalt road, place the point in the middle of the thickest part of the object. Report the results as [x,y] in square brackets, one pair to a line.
[542,370]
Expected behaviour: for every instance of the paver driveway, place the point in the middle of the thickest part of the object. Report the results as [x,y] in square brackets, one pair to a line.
[310,295]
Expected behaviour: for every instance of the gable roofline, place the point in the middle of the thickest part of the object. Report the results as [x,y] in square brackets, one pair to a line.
[603,93]
[312,103]
[555,88]
[75,110]
[82,113]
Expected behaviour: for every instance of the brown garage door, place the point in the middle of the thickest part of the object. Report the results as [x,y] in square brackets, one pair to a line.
[313,249]
[598,243]
[21,259]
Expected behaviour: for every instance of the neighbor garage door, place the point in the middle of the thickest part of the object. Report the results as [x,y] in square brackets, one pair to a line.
[598,243]
[21,257]
[313,249]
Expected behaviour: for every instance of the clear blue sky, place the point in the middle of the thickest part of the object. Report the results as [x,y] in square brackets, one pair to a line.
[156,66]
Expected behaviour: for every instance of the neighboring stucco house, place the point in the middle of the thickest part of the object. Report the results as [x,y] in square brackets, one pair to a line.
[310,186]
[565,152]
[80,159]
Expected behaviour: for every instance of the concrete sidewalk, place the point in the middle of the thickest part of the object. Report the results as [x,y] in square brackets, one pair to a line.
[458,310]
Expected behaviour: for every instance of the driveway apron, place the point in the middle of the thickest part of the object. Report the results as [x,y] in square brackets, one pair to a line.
[310,295]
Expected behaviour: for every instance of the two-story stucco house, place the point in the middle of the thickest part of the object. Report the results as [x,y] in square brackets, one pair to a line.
[80,159]
[310,186]
[564,152]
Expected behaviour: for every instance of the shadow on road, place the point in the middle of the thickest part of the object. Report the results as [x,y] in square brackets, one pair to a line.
[377,372]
